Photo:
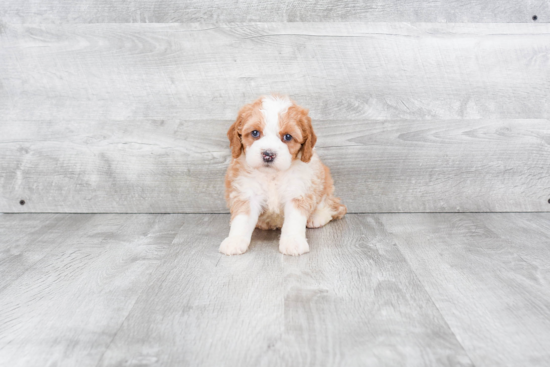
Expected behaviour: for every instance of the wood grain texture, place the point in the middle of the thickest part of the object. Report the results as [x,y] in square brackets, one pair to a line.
[26,239]
[338,70]
[164,11]
[383,289]
[263,309]
[66,308]
[168,166]
[203,308]
[489,275]
[354,302]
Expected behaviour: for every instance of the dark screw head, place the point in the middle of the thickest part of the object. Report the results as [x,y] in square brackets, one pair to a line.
[22,202]
[548,201]
[535,17]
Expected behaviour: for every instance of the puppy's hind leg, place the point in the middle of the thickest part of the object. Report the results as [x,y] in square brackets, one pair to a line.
[328,209]
[320,216]
[338,209]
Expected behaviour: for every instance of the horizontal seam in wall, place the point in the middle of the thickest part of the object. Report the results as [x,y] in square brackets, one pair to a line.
[350,213]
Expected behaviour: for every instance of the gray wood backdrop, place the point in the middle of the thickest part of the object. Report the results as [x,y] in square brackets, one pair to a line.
[413,114]
[172,11]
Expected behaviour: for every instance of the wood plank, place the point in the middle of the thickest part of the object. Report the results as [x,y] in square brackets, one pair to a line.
[489,275]
[26,239]
[203,308]
[354,301]
[440,166]
[164,11]
[351,301]
[113,166]
[123,291]
[338,70]
[66,309]
[178,166]
[15,227]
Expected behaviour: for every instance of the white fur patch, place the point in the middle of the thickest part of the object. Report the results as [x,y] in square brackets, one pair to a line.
[272,108]
[271,189]
[293,234]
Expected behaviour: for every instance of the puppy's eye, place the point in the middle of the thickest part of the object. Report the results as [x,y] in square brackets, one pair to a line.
[255,133]
[287,137]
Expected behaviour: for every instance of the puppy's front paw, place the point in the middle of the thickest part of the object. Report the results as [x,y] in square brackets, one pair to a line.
[234,245]
[293,245]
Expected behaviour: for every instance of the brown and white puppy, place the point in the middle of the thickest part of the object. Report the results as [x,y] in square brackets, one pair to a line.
[275,178]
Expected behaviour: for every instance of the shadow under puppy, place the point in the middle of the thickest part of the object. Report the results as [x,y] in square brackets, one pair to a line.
[276,178]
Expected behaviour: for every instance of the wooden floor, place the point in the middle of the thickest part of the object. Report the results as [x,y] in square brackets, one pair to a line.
[376,290]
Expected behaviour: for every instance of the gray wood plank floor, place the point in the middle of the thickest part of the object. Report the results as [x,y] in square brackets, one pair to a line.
[378,290]
[489,276]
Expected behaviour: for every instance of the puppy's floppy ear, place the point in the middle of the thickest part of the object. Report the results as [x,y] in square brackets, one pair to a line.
[308,134]
[234,134]
[235,131]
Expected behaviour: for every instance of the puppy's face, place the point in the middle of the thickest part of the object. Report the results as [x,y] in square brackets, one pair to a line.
[272,132]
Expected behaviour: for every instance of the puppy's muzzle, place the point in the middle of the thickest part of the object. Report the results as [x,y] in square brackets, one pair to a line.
[268,156]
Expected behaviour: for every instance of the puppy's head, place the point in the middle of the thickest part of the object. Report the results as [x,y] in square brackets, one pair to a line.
[272,132]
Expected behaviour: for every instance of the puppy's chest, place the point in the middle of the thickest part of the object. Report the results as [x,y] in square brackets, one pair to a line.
[273,197]
[272,216]
[270,189]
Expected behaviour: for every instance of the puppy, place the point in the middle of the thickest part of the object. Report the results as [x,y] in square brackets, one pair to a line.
[275,178]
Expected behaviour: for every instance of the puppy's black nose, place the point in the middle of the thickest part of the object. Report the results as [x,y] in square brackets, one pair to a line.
[268,156]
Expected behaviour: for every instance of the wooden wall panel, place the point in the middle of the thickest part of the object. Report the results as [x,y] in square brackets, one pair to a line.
[338,70]
[170,11]
[411,117]
[166,166]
